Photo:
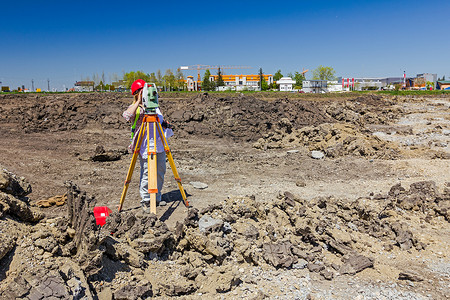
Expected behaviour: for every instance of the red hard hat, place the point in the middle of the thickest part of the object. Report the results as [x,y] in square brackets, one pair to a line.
[138,84]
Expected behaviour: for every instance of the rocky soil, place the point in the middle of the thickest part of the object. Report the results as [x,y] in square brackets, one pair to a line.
[292,197]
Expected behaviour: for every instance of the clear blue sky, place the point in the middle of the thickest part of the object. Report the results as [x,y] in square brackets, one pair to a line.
[64,41]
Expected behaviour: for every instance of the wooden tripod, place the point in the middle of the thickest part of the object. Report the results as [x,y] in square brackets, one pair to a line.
[151,120]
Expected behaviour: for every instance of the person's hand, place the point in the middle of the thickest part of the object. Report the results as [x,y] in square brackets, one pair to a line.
[167,125]
[140,97]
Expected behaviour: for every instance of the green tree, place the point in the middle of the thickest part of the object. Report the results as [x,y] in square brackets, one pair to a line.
[130,77]
[100,86]
[277,76]
[208,85]
[109,87]
[264,86]
[274,86]
[152,78]
[169,80]
[298,77]
[323,73]
[220,81]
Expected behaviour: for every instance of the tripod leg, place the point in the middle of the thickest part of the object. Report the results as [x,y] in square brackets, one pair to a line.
[152,169]
[137,148]
[172,164]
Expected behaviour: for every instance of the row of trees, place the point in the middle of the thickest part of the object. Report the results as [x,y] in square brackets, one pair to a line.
[176,81]
[169,81]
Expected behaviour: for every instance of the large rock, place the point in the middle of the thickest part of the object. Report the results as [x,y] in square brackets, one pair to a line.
[48,285]
[279,255]
[356,263]
[7,243]
[209,224]
[142,290]
[18,208]
[206,245]
[12,184]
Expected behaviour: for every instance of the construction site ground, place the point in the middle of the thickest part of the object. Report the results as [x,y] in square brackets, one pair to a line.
[275,171]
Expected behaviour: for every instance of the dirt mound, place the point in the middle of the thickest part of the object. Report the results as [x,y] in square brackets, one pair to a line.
[61,112]
[367,109]
[241,117]
[345,135]
[335,140]
[136,255]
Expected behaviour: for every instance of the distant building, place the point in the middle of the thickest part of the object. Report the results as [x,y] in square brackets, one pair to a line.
[420,81]
[84,86]
[443,85]
[369,83]
[120,85]
[428,78]
[334,86]
[193,85]
[232,82]
[243,82]
[286,83]
[314,86]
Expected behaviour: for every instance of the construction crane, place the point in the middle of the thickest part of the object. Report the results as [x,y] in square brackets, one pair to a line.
[206,67]
[304,71]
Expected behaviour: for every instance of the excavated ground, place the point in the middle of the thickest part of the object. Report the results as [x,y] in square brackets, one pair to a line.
[293,197]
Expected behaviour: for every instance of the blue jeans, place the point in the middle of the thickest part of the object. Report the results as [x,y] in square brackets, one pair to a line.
[143,181]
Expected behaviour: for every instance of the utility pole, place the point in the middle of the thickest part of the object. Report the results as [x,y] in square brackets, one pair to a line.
[48,85]
[32,85]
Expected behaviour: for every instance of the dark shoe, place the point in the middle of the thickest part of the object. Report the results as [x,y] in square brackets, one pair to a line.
[145,206]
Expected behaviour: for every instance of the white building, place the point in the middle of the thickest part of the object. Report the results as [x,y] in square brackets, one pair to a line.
[314,86]
[286,84]
[369,83]
[334,86]
[232,82]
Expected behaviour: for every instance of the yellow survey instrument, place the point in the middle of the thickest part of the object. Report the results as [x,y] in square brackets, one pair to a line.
[152,120]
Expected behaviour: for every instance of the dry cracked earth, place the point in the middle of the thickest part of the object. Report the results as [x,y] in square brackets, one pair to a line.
[291,197]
